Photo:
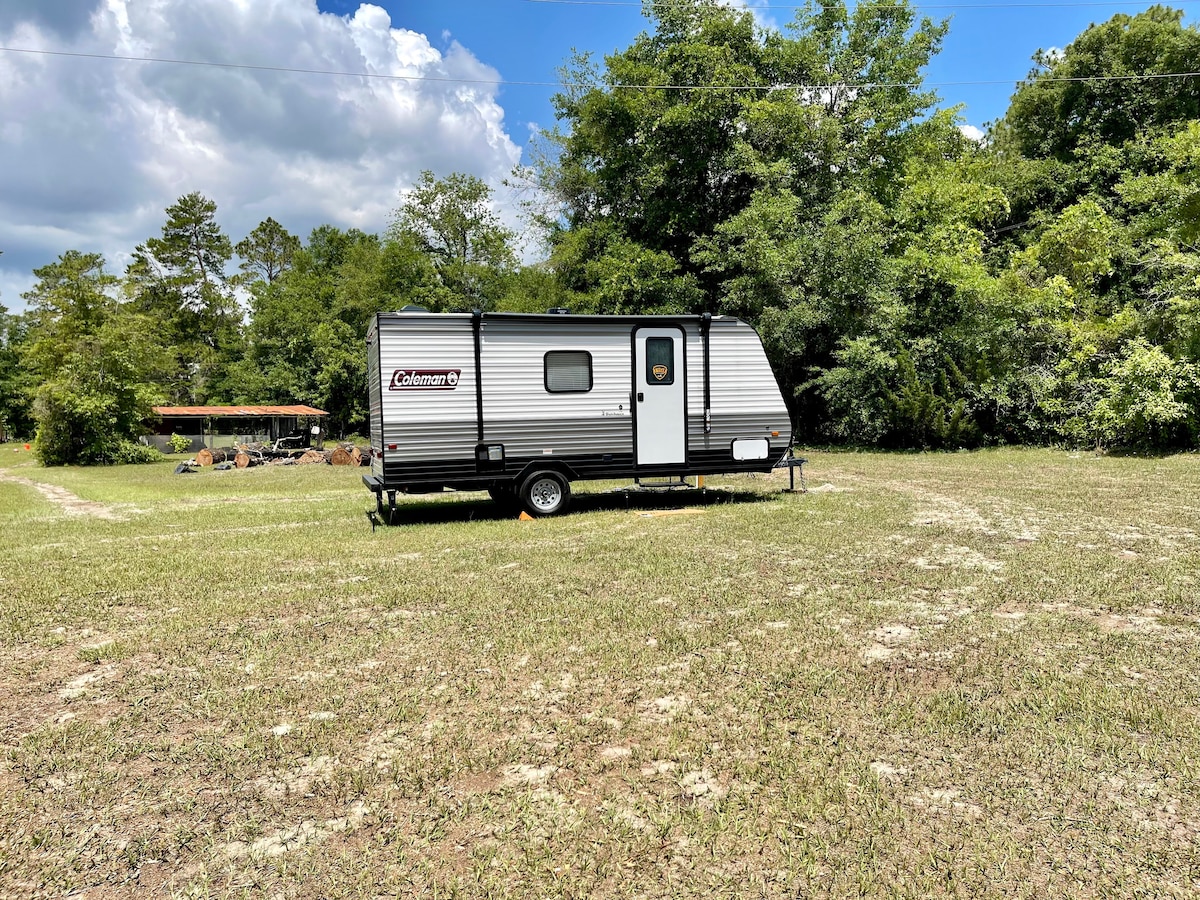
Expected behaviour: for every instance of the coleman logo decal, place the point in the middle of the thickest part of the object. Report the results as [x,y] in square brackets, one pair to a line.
[660,372]
[424,380]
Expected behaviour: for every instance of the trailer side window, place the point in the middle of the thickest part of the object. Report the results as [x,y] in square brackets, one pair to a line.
[660,360]
[568,371]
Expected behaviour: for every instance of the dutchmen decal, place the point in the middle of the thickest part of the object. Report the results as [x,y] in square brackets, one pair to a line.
[424,380]
[660,372]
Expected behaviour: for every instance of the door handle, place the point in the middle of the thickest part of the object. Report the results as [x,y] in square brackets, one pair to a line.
[641,397]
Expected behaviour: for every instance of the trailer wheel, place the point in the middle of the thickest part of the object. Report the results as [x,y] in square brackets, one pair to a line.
[545,493]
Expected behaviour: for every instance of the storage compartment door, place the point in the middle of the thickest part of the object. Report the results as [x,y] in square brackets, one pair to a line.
[660,396]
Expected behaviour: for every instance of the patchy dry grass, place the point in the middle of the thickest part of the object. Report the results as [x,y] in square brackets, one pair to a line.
[969,675]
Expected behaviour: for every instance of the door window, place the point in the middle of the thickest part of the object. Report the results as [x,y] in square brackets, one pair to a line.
[660,360]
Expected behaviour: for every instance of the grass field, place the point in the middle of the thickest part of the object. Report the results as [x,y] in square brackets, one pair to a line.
[967,675]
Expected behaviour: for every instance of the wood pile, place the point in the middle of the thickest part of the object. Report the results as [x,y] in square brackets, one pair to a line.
[249,455]
[308,457]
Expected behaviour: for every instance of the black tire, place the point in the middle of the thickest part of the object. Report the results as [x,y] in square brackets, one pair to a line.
[545,494]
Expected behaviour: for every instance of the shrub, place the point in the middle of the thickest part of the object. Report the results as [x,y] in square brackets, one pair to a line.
[133,453]
[74,427]
[178,443]
[877,397]
[1149,400]
[78,426]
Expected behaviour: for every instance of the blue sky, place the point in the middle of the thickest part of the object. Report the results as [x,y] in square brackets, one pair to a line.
[527,40]
[96,142]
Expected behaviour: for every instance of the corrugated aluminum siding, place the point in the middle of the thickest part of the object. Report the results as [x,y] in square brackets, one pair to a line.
[746,401]
[529,420]
[520,413]
[374,401]
[427,424]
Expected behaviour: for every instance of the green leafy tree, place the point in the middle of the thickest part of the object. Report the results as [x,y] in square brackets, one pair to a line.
[307,327]
[536,288]
[727,121]
[1107,87]
[1150,401]
[17,383]
[180,279]
[451,220]
[266,253]
[97,365]
[93,409]
[72,299]
[1164,228]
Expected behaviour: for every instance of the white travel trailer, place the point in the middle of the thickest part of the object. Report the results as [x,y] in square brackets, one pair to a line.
[523,404]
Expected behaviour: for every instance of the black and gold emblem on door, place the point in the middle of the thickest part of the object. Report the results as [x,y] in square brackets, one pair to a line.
[659,372]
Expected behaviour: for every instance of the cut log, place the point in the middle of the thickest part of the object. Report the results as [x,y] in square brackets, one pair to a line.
[356,456]
[312,457]
[342,457]
[208,457]
[245,459]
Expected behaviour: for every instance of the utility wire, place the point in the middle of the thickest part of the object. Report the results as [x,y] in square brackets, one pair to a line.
[867,85]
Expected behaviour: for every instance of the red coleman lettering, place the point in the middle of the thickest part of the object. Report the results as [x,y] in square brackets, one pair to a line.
[424,380]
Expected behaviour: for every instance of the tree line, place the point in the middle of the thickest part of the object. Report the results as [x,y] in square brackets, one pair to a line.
[913,287]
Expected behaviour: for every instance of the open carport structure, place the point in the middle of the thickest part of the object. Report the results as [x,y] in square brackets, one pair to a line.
[215,426]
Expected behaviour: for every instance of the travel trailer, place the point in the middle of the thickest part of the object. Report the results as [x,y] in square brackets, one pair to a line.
[521,405]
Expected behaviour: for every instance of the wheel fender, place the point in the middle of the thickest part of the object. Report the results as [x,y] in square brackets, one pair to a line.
[549,465]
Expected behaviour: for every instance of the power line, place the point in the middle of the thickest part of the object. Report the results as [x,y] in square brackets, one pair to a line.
[496,82]
[257,68]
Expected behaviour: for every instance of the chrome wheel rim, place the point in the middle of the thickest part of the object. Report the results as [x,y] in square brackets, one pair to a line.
[545,495]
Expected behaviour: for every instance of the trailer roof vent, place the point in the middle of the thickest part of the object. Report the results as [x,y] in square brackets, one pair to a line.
[414,308]
[559,311]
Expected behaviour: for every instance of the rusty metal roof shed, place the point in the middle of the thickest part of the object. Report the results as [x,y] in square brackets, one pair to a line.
[236,411]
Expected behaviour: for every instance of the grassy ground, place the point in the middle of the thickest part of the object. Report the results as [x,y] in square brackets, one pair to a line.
[969,675]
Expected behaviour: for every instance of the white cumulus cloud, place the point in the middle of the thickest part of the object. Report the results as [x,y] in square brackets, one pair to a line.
[93,150]
[760,8]
[970,132]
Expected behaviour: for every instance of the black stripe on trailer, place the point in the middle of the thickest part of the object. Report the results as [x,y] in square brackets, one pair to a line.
[476,323]
[705,327]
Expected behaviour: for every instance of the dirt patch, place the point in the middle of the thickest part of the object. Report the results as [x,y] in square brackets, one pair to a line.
[664,709]
[69,503]
[955,557]
[296,782]
[946,801]
[701,787]
[524,773]
[307,832]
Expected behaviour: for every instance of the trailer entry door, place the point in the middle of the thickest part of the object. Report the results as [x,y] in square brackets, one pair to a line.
[660,386]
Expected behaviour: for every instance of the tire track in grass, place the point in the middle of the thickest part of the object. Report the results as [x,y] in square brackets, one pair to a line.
[69,503]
